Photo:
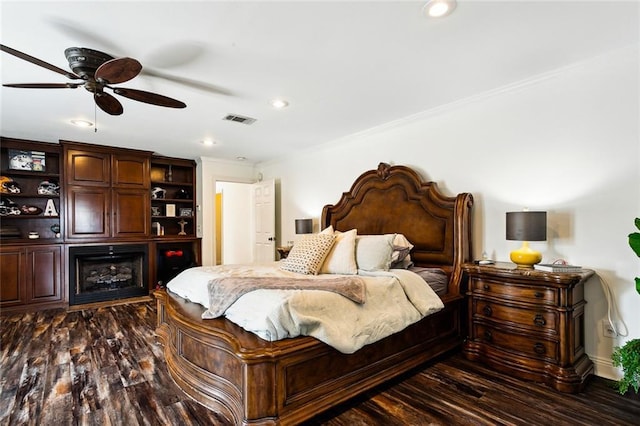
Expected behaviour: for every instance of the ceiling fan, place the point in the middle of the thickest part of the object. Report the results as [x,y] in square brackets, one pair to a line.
[98,71]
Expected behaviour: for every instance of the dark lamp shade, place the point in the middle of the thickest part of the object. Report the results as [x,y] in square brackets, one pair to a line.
[304,226]
[527,226]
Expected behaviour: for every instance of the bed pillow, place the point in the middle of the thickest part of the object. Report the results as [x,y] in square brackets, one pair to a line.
[373,252]
[405,263]
[341,259]
[308,253]
[400,257]
[328,230]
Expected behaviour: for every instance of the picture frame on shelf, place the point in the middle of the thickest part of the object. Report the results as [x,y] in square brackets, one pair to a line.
[186,212]
[170,210]
[34,161]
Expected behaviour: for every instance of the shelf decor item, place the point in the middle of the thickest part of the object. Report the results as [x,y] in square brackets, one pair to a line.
[50,209]
[170,210]
[186,212]
[182,223]
[48,187]
[27,160]
[158,193]
[9,186]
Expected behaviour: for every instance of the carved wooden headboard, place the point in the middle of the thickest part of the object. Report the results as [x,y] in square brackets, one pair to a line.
[394,199]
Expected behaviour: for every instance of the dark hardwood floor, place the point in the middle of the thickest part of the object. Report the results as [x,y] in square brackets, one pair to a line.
[103,366]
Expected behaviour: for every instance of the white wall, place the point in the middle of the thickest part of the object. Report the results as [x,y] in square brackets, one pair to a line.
[566,142]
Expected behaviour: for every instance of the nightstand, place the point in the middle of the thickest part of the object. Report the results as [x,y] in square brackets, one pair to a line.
[283,251]
[528,323]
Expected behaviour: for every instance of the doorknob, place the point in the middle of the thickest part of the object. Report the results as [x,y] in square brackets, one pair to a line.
[271,239]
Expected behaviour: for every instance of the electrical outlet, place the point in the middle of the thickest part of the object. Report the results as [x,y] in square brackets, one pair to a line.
[607,330]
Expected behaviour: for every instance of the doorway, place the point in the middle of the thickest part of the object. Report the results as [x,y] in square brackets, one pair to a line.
[233,223]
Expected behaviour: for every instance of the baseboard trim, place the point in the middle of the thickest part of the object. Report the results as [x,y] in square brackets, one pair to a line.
[603,367]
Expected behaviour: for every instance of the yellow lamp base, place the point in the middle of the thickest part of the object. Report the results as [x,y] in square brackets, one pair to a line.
[524,257]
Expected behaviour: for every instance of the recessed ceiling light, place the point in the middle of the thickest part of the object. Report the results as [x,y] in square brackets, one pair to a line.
[82,123]
[241,158]
[208,142]
[439,8]
[279,103]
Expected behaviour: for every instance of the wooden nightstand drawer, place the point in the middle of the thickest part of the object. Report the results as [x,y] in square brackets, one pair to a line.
[534,319]
[522,345]
[534,294]
[529,323]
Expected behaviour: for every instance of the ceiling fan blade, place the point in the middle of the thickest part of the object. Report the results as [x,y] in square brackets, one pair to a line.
[45,85]
[148,97]
[108,103]
[39,62]
[118,70]
[199,85]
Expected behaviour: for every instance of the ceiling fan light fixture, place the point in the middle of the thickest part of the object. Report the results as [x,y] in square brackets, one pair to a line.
[82,123]
[439,8]
[208,142]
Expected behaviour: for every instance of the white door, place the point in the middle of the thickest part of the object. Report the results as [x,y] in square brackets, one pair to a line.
[264,202]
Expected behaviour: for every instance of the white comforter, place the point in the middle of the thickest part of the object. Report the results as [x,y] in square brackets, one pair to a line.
[394,300]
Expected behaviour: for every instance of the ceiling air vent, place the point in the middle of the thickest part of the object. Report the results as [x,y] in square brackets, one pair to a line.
[239,119]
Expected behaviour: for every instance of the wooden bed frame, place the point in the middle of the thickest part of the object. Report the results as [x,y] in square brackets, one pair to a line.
[255,382]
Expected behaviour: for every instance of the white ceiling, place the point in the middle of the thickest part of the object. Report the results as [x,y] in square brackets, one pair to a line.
[344,66]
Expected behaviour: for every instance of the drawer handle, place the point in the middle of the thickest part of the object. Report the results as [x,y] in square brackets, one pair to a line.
[488,336]
[539,348]
[539,294]
[486,287]
[487,310]
[539,320]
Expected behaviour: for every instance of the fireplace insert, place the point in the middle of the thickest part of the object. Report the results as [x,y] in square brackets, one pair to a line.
[107,272]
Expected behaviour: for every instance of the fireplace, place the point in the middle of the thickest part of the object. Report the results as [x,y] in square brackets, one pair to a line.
[107,272]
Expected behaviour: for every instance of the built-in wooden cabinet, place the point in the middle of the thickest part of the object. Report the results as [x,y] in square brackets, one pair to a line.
[173,208]
[31,276]
[107,192]
[98,195]
[31,207]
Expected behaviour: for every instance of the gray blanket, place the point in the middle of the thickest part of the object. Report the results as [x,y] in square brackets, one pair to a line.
[224,291]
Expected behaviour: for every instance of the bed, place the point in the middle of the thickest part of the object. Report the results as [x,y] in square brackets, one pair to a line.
[258,382]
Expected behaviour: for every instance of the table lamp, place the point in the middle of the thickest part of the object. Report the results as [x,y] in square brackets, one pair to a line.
[304,226]
[526,226]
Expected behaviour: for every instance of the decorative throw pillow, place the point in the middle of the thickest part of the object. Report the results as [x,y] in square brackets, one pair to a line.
[307,255]
[373,252]
[342,256]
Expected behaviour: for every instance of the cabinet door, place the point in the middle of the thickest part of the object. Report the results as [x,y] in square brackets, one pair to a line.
[88,212]
[131,212]
[88,168]
[12,289]
[44,273]
[130,171]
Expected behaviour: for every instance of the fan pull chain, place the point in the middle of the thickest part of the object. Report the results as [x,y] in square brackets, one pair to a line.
[95,118]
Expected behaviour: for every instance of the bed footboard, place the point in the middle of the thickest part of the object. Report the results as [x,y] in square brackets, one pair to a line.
[255,382]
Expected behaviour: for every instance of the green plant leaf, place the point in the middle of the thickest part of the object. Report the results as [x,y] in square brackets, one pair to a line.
[627,356]
[638,285]
[634,242]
